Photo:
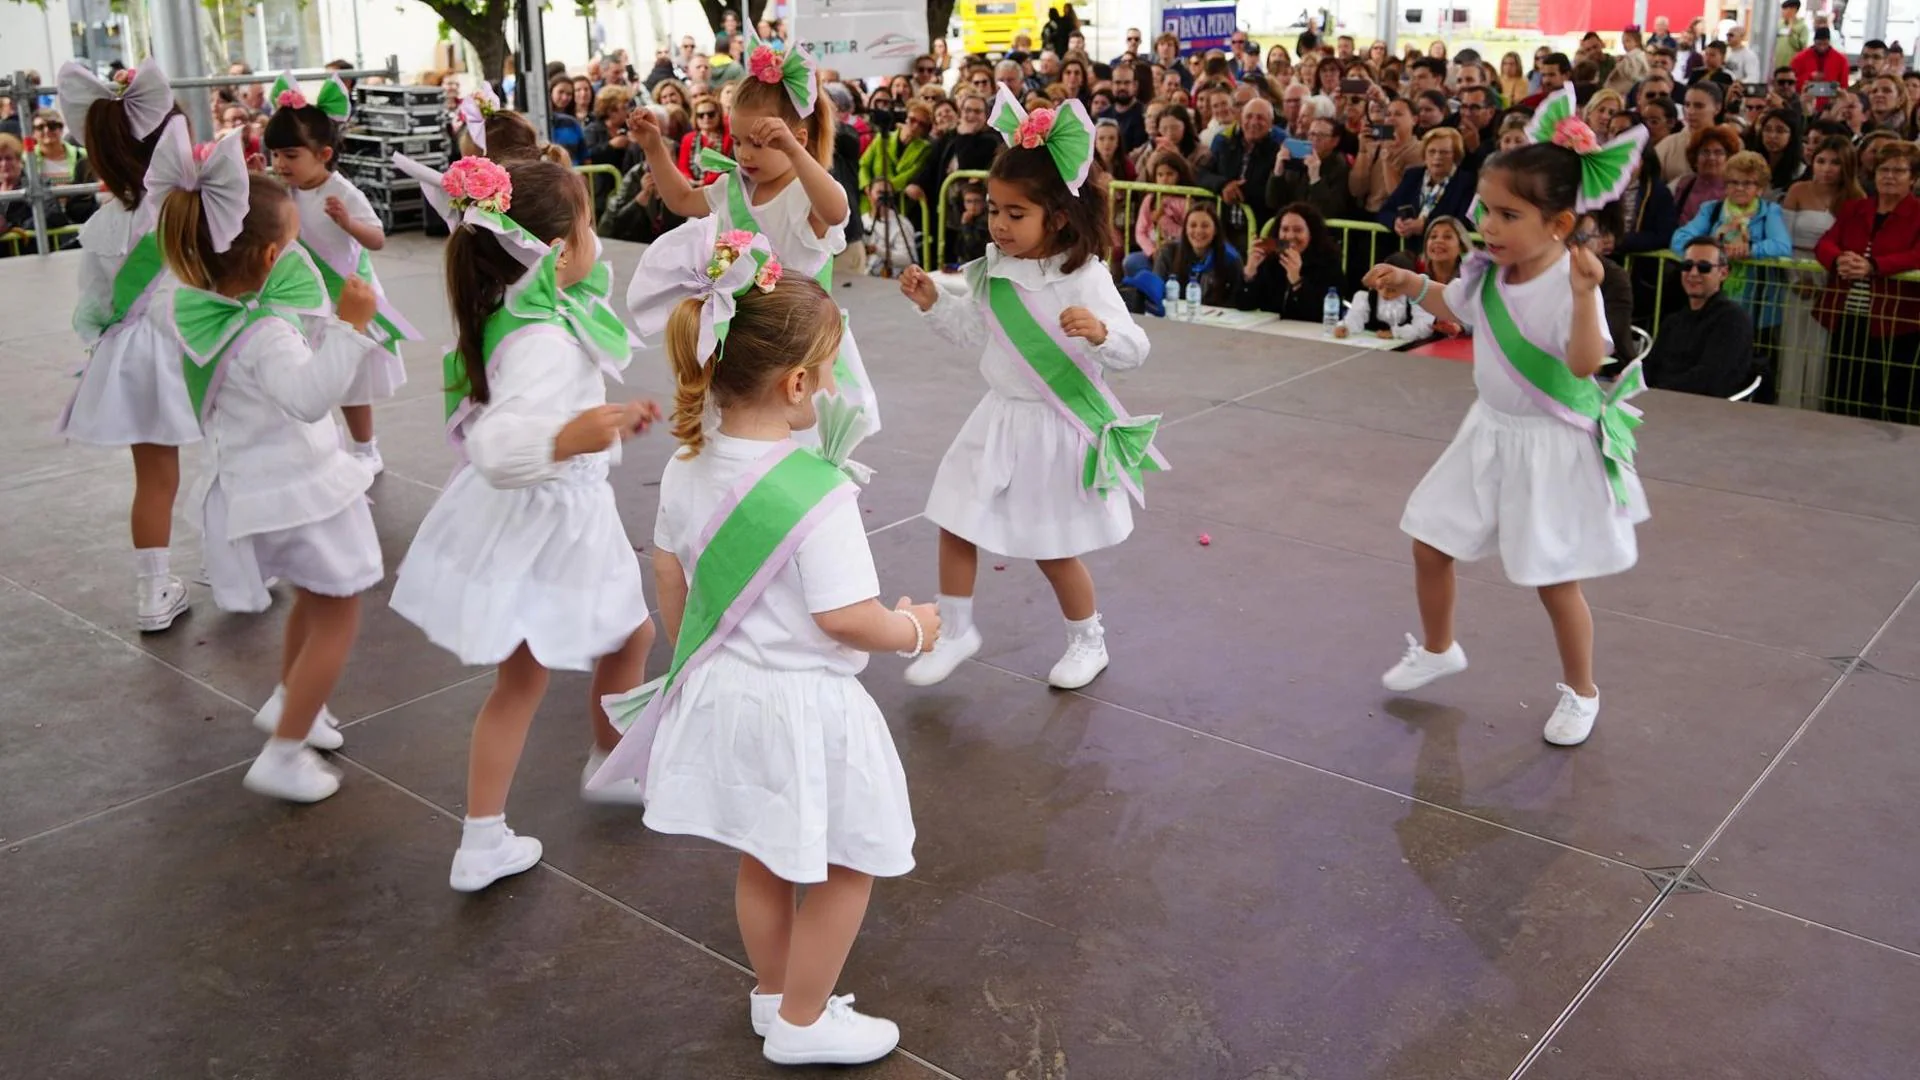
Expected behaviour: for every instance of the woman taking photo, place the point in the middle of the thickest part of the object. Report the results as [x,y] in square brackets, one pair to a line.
[1381,164]
[1873,322]
[1171,133]
[1290,272]
[896,159]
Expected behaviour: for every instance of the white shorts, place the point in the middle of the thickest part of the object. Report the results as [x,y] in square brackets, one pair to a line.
[1534,490]
[336,556]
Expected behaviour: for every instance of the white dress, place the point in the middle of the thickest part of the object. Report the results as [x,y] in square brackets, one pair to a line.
[519,547]
[1803,341]
[284,500]
[772,747]
[1011,481]
[1518,480]
[383,374]
[783,220]
[133,387]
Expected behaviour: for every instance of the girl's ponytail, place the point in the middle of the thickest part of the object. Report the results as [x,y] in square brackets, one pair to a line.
[184,239]
[692,377]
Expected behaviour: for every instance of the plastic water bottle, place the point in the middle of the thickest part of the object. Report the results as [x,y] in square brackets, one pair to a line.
[1174,305]
[1193,298]
[1330,312]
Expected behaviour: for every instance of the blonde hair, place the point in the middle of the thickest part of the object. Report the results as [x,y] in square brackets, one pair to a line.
[187,242]
[1450,136]
[769,329]
[1748,165]
[756,96]
[610,100]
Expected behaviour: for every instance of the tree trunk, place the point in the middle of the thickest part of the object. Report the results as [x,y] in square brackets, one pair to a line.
[939,15]
[484,29]
[716,11]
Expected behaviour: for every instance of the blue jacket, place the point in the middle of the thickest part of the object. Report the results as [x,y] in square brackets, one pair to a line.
[1761,290]
[1454,200]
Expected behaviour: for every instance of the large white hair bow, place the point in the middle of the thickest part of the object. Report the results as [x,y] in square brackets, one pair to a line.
[218,172]
[147,96]
[697,260]
[474,110]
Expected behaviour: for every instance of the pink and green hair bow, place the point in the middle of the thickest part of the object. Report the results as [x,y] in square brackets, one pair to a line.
[1066,133]
[1605,171]
[333,98]
[792,67]
[697,260]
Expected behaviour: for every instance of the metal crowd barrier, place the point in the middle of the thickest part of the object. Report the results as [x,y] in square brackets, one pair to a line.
[608,171]
[26,99]
[1122,191]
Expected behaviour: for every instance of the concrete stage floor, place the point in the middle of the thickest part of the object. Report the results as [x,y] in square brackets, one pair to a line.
[1233,856]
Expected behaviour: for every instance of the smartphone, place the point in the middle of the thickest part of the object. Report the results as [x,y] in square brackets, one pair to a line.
[1756,89]
[1823,89]
[1299,148]
[1355,87]
[1407,212]
[1382,132]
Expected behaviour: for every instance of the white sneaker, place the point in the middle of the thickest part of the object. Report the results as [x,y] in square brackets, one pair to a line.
[298,777]
[476,868]
[948,653]
[158,602]
[619,793]
[1085,659]
[1572,720]
[325,733]
[761,1009]
[840,1037]
[370,457]
[1420,667]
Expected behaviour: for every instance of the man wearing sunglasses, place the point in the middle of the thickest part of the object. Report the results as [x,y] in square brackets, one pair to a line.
[1707,346]
[1133,48]
[925,71]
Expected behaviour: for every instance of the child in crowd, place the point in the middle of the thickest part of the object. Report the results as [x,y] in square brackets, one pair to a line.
[1398,318]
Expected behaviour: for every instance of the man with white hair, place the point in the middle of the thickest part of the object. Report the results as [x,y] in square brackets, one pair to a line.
[1244,158]
[1046,72]
[1292,120]
[1008,74]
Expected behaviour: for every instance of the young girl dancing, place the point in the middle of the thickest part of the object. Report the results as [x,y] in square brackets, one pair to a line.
[132,391]
[780,188]
[285,501]
[760,736]
[1045,465]
[522,563]
[338,228]
[1542,468]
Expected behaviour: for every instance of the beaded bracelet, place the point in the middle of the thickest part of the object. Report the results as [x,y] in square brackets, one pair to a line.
[919,633]
[1425,284]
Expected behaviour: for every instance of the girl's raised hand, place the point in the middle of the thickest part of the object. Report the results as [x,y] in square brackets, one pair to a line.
[1081,323]
[1391,282]
[642,413]
[1584,268]
[774,134]
[643,125]
[916,286]
[337,210]
[357,304]
[593,431]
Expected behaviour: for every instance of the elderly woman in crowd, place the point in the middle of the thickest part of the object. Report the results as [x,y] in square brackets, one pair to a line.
[1438,188]
[1873,322]
[1707,155]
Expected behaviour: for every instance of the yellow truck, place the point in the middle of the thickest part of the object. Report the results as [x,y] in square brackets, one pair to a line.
[988,26]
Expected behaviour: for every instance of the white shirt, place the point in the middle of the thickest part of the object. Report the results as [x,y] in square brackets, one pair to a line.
[897,237]
[1048,290]
[106,240]
[540,378]
[1744,65]
[275,448]
[1393,312]
[832,569]
[784,221]
[318,231]
[1542,309]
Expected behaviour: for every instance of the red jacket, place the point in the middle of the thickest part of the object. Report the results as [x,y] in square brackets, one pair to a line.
[1809,66]
[1896,250]
[690,145]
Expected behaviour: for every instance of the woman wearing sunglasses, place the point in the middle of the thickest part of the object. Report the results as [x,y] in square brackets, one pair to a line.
[709,132]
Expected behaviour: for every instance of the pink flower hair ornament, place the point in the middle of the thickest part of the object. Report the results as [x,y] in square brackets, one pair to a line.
[1574,134]
[290,99]
[1033,129]
[698,261]
[764,64]
[480,184]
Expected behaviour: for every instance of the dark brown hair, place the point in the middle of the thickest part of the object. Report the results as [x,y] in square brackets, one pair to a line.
[510,137]
[304,128]
[1083,232]
[187,242]
[796,325]
[116,157]
[756,96]
[547,200]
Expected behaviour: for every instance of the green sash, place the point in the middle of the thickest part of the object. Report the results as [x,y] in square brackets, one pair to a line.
[136,275]
[740,216]
[750,538]
[1119,447]
[210,325]
[380,328]
[1578,401]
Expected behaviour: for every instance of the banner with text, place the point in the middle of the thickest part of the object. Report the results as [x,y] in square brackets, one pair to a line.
[1200,26]
[863,39]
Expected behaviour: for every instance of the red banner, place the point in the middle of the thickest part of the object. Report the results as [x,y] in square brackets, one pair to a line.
[1579,16]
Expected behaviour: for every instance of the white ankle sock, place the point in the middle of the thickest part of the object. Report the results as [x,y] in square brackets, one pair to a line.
[282,750]
[477,833]
[956,615]
[1086,627]
[150,562]
[362,448]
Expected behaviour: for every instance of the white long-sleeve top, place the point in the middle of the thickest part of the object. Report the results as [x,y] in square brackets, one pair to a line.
[1049,290]
[539,379]
[275,448]
[1393,312]
[105,241]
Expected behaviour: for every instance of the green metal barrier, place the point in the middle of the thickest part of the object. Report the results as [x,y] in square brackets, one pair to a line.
[607,171]
[937,251]
[15,242]
[1122,191]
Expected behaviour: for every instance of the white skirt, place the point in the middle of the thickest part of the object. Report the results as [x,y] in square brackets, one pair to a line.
[381,376]
[548,565]
[795,768]
[132,390]
[1010,483]
[336,556]
[1532,488]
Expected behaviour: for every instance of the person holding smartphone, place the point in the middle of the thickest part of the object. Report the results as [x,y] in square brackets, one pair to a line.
[1387,151]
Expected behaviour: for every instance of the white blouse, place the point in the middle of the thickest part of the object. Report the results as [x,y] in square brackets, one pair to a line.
[105,241]
[540,379]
